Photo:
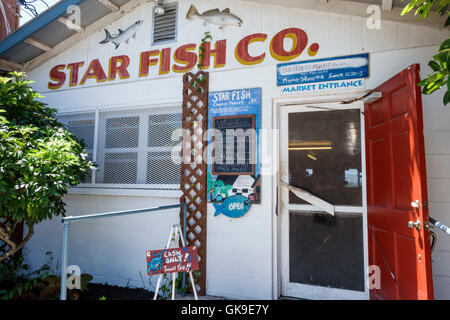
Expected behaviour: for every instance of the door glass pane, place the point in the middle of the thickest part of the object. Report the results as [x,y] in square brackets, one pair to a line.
[326,250]
[325,155]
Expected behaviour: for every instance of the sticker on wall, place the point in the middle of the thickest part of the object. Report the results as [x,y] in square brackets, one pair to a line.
[234,181]
[123,35]
[222,18]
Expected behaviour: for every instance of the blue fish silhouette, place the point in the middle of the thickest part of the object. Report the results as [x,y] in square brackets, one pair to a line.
[233,207]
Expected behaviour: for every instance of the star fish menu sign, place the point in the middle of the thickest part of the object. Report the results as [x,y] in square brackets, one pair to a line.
[234,181]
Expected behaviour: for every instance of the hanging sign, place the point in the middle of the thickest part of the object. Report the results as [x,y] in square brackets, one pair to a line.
[233,156]
[233,207]
[172,260]
[323,70]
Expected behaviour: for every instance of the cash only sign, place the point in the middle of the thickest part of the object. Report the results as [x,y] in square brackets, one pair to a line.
[172,260]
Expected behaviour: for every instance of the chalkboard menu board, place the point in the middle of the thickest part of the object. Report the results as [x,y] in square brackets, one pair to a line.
[234,145]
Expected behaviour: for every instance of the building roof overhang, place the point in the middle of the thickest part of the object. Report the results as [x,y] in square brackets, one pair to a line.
[52,32]
[49,33]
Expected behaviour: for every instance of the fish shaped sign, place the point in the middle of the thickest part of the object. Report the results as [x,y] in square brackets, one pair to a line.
[233,207]
[123,35]
[222,18]
[183,259]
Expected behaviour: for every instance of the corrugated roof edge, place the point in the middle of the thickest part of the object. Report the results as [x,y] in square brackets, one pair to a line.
[36,24]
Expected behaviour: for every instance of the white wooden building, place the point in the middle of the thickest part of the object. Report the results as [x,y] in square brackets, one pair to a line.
[125,115]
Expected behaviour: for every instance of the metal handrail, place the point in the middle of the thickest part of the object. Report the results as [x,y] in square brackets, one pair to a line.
[66,221]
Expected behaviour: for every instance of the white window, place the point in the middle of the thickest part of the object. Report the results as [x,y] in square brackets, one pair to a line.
[83,126]
[165,25]
[133,148]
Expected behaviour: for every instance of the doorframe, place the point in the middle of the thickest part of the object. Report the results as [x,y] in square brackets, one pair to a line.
[277,104]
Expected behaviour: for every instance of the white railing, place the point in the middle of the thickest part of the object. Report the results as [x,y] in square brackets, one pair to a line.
[66,221]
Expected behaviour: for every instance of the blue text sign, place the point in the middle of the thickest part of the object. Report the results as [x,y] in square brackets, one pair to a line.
[322,70]
[340,85]
[234,178]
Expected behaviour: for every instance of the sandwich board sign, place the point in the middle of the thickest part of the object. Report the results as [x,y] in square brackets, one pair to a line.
[172,260]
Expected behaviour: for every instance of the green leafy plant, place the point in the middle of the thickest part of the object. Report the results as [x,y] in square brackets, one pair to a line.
[44,287]
[440,63]
[201,53]
[201,56]
[52,289]
[17,282]
[39,160]
[165,288]
[14,278]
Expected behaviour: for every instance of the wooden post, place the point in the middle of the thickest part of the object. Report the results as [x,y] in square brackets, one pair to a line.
[194,172]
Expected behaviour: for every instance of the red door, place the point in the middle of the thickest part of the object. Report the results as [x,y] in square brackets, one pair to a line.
[399,243]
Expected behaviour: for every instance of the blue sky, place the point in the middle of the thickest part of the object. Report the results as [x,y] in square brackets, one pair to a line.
[40,7]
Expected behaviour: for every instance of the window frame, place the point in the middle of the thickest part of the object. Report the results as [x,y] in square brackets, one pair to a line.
[126,189]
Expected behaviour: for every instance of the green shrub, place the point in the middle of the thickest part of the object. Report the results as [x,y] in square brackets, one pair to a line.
[39,160]
[441,60]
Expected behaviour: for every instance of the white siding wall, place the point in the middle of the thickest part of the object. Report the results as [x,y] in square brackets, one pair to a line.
[239,251]
[437,144]
[112,250]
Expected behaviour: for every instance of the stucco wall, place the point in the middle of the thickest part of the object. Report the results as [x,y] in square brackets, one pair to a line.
[239,252]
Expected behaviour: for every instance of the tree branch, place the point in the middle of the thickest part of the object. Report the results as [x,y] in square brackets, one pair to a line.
[13,246]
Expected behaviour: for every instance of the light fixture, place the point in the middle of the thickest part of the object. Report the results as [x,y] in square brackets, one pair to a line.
[305,143]
[310,148]
[159,9]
